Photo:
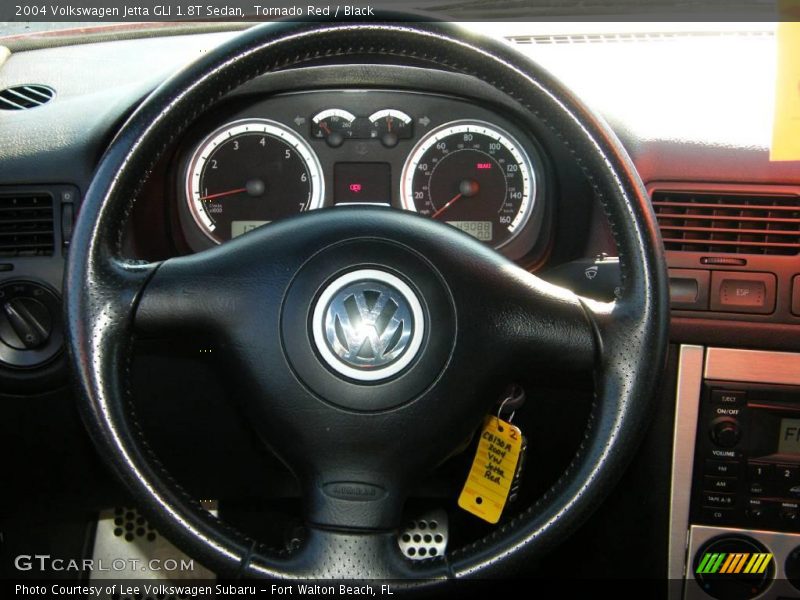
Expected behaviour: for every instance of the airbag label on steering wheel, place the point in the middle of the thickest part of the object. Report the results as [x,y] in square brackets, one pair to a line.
[486,490]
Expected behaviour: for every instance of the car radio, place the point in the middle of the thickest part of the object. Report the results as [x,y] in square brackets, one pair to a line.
[735,492]
[747,457]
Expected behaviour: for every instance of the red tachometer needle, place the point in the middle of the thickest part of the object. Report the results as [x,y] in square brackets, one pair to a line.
[446,206]
[221,194]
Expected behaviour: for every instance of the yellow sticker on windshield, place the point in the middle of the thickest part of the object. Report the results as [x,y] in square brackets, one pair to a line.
[786,124]
[492,472]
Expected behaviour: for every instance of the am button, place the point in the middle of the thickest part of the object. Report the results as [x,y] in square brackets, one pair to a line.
[720,484]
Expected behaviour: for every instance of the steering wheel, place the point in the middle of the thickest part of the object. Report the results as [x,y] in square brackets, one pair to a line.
[358,434]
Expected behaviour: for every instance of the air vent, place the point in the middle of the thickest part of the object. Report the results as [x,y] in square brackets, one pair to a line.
[21,97]
[26,224]
[729,222]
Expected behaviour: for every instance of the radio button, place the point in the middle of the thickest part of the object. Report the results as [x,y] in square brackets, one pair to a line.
[722,468]
[719,484]
[757,488]
[715,500]
[794,491]
[758,472]
[717,515]
[756,508]
[789,512]
[729,397]
[787,474]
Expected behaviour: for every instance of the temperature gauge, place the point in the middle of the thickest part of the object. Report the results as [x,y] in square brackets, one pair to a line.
[333,125]
[390,126]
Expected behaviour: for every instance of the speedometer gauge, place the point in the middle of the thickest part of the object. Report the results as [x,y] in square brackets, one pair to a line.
[248,173]
[473,176]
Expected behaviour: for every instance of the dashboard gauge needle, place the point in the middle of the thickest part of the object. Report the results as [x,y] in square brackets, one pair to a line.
[222,194]
[446,206]
[467,189]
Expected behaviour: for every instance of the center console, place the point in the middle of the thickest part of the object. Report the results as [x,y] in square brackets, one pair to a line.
[735,522]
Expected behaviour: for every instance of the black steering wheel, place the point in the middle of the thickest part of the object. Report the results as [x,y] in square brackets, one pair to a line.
[464,318]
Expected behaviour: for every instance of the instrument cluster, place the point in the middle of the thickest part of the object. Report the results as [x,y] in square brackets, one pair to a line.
[442,157]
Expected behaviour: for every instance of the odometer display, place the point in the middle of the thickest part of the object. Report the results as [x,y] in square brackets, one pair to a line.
[474,176]
[248,173]
[480,230]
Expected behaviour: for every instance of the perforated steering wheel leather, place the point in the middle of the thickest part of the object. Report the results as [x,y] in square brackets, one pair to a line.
[250,295]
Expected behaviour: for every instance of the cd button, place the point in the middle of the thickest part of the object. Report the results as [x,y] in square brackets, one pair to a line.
[717,515]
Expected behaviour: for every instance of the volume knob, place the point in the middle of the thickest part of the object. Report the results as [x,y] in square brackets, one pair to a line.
[725,432]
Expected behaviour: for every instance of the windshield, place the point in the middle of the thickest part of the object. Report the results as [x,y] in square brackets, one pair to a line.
[60,33]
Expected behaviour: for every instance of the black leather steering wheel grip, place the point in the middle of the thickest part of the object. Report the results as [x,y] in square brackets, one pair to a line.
[357,445]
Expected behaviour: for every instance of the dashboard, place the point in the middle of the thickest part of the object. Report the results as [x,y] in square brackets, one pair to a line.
[254,162]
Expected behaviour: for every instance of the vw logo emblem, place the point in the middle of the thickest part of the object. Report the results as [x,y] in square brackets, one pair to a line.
[368,325]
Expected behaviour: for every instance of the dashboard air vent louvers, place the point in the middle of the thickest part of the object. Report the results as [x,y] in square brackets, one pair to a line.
[26,224]
[729,222]
[22,97]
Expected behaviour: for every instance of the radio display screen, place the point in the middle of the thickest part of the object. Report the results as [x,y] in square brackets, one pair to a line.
[789,441]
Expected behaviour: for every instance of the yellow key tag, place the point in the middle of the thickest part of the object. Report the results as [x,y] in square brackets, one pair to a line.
[492,472]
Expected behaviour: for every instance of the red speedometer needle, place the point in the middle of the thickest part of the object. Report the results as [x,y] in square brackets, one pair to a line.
[446,206]
[222,194]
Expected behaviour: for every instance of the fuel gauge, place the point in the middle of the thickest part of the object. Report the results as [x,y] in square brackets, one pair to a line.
[333,125]
[390,126]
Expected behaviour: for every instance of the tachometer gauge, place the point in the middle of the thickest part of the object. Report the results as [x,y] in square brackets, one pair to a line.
[473,176]
[248,173]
